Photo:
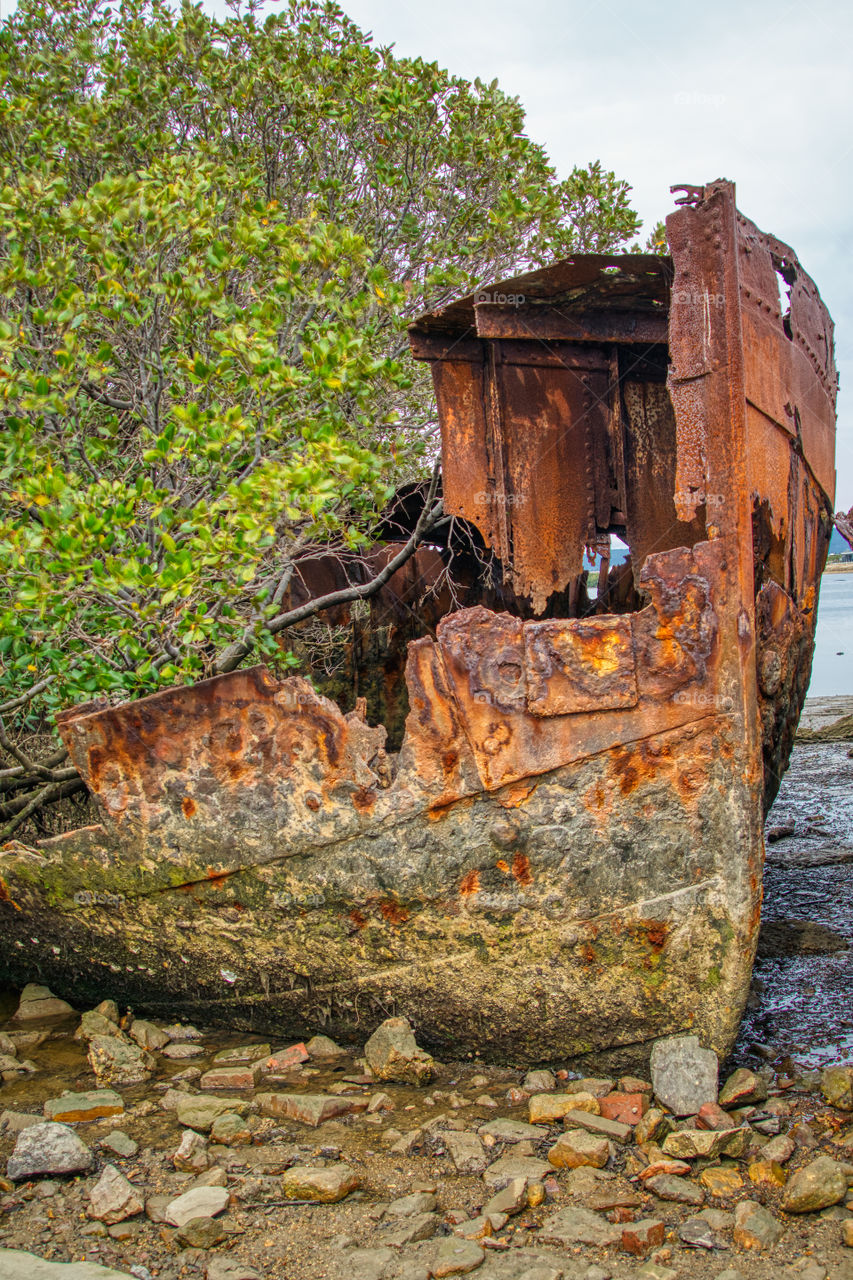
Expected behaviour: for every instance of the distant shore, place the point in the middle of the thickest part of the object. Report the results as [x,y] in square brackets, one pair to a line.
[839,568]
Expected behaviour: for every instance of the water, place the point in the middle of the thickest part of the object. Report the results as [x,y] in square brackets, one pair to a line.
[832,669]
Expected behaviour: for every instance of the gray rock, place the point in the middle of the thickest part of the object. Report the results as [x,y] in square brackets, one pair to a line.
[408,1206]
[466,1151]
[113,1198]
[392,1053]
[202,1233]
[147,1035]
[191,1154]
[120,1144]
[696,1233]
[578,1226]
[323,1047]
[16,1121]
[48,1148]
[199,1110]
[836,1085]
[668,1186]
[513,1131]
[422,1226]
[684,1075]
[456,1257]
[365,1264]
[228,1269]
[511,1167]
[93,1023]
[539,1082]
[510,1199]
[39,1002]
[200,1202]
[15,1264]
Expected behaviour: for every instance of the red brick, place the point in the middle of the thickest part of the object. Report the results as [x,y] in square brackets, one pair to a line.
[230,1077]
[641,1237]
[627,1108]
[286,1059]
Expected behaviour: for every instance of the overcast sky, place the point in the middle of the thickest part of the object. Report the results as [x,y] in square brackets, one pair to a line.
[758,91]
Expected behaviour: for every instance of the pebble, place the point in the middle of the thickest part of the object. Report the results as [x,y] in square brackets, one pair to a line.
[576,1147]
[755,1227]
[120,1144]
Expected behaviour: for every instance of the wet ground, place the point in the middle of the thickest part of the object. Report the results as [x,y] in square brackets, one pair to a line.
[802,1000]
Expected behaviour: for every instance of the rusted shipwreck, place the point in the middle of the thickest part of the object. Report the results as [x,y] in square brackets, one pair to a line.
[563,860]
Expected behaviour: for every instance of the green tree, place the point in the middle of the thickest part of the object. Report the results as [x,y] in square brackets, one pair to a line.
[212,236]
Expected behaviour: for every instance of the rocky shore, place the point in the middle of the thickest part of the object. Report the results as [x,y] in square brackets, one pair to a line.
[132,1149]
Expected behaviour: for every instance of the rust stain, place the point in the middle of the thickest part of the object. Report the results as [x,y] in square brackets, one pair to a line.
[470,884]
[5,896]
[521,869]
[393,912]
[364,799]
[188,805]
[357,919]
[502,865]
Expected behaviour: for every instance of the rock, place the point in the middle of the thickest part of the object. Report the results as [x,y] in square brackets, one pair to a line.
[684,1075]
[755,1228]
[199,1202]
[697,1233]
[510,1167]
[327,1185]
[408,1206]
[182,1033]
[179,1050]
[766,1173]
[199,1110]
[48,1148]
[836,1085]
[309,1108]
[598,1086]
[742,1089]
[510,1200]
[654,1126]
[539,1082]
[422,1226]
[228,1269]
[245,1077]
[15,1264]
[600,1125]
[191,1155]
[847,1233]
[479,1228]
[626,1108]
[231,1130]
[38,1002]
[115,1060]
[202,1233]
[456,1257]
[113,1198]
[689,1144]
[721,1182]
[578,1226]
[576,1147]
[779,1149]
[16,1121]
[147,1035]
[93,1023]
[816,1186]
[323,1047]
[466,1151]
[641,1237]
[656,1271]
[393,1054]
[669,1187]
[510,1131]
[712,1116]
[256,1053]
[120,1144]
[95,1104]
[360,1264]
[546,1108]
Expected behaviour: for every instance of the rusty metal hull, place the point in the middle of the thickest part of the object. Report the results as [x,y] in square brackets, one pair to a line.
[564,859]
